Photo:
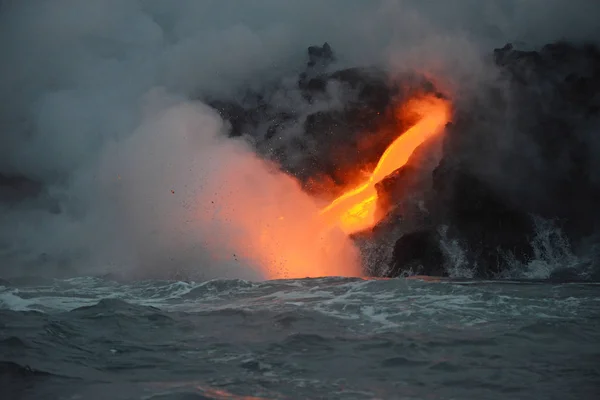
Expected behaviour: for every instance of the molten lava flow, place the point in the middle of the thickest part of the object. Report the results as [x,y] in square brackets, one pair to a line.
[355,210]
[253,215]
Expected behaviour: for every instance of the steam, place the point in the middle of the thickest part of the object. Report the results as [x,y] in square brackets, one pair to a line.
[96,106]
[186,195]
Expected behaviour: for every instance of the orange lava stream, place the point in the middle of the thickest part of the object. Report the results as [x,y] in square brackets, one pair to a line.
[355,210]
[251,215]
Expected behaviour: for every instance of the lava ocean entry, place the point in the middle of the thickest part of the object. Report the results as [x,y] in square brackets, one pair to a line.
[273,224]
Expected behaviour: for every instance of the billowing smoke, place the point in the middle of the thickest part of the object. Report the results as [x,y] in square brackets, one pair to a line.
[98,121]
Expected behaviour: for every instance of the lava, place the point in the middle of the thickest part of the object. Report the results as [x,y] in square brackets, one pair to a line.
[255,215]
[355,210]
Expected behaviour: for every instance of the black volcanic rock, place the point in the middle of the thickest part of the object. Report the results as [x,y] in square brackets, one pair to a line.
[396,187]
[491,226]
[336,142]
[527,155]
[523,145]
[320,56]
[319,59]
[417,253]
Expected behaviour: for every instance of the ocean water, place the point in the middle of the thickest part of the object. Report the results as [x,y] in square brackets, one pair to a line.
[330,338]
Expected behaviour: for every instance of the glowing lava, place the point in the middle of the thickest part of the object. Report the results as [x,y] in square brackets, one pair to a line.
[355,210]
[253,215]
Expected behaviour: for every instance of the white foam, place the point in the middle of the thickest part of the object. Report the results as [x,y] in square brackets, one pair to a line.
[11,301]
[362,305]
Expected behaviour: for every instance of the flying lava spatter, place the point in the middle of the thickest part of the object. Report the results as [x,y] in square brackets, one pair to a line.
[355,210]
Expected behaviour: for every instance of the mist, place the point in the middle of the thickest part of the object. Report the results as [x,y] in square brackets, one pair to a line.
[99,105]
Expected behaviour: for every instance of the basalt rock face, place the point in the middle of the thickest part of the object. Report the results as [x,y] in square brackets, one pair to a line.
[559,113]
[526,148]
[522,147]
[335,125]
[417,253]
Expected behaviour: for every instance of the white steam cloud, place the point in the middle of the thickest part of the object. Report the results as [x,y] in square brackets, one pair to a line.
[95,105]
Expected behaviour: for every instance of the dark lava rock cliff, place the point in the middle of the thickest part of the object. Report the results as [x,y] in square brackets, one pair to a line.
[524,148]
[531,155]
[346,119]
